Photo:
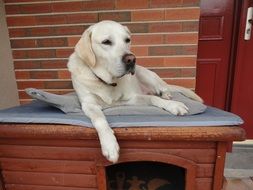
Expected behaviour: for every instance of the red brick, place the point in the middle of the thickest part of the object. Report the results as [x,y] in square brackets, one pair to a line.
[18,54]
[147,39]
[26,64]
[190,26]
[188,83]
[64,53]
[136,4]
[69,30]
[23,102]
[23,95]
[12,9]
[173,50]
[189,50]
[26,43]
[116,16]
[52,42]
[188,72]
[58,84]
[35,8]
[30,84]
[185,38]
[17,32]
[182,14]
[22,74]
[151,62]
[98,5]
[140,51]
[165,27]
[191,3]
[180,61]
[165,50]
[72,41]
[138,27]
[165,3]
[53,64]
[82,18]
[67,6]
[43,74]
[41,53]
[147,15]
[21,21]
[51,19]
[168,73]
[64,74]
[40,31]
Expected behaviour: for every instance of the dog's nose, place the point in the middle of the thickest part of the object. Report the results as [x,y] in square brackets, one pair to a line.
[129,60]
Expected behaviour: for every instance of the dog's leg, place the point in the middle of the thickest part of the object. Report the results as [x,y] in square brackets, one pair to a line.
[174,107]
[152,81]
[108,141]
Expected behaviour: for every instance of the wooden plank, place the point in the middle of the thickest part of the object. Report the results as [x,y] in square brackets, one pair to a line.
[55,153]
[39,187]
[219,165]
[53,179]
[205,170]
[51,166]
[2,185]
[101,178]
[196,155]
[201,133]
[90,154]
[204,183]
[123,143]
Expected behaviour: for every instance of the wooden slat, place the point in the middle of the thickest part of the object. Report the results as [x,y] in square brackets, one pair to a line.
[53,179]
[205,170]
[196,155]
[219,165]
[2,187]
[90,154]
[51,166]
[144,133]
[204,184]
[55,153]
[123,143]
[39,187]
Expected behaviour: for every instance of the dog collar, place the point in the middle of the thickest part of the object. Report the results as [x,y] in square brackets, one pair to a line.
[101,80]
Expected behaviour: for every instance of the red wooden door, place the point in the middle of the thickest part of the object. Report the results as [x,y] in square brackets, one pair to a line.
[215,36]
[242,96]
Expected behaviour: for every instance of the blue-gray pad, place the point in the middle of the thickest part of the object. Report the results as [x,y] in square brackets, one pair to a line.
[39,112]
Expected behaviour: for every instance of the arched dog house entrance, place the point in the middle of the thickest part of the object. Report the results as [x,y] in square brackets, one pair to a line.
[148,171]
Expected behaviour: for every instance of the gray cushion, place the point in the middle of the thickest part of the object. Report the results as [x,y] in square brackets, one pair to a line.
[70,104]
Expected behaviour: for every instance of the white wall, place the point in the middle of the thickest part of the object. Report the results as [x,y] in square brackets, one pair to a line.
[8,87]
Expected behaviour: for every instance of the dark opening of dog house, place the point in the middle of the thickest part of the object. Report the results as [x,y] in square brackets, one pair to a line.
[145,175]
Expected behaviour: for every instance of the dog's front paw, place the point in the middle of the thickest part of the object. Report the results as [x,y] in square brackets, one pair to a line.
[176,108]
[166,95]
[109,145]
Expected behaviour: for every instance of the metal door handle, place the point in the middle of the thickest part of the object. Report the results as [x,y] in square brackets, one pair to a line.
[249,23]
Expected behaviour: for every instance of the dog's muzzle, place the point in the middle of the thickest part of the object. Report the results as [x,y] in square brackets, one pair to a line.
[129,60]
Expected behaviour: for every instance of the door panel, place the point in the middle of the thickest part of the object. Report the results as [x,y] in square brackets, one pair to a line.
[215,34]
[242,96]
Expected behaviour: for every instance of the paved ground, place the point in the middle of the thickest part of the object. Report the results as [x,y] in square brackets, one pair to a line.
[239,167]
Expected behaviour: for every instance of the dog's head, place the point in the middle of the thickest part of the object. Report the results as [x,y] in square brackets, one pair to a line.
[107,45]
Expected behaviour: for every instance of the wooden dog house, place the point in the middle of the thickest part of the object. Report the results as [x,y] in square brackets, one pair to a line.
[54,157]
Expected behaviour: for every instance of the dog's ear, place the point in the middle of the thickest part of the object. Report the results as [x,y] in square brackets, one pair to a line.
[127,30]
[84,50]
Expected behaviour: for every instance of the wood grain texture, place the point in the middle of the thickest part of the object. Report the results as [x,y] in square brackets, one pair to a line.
[143,133]
[219,165]
[40,187]
[53,179]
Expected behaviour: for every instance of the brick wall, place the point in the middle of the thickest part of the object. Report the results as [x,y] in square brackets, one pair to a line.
[43,34]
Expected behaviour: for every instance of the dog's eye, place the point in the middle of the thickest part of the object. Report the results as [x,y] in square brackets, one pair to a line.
[107,42]
[127,40]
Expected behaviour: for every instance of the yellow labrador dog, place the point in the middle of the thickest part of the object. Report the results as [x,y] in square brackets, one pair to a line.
[104,72]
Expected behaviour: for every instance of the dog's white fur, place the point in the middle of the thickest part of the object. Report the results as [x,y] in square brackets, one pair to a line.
[92,59]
